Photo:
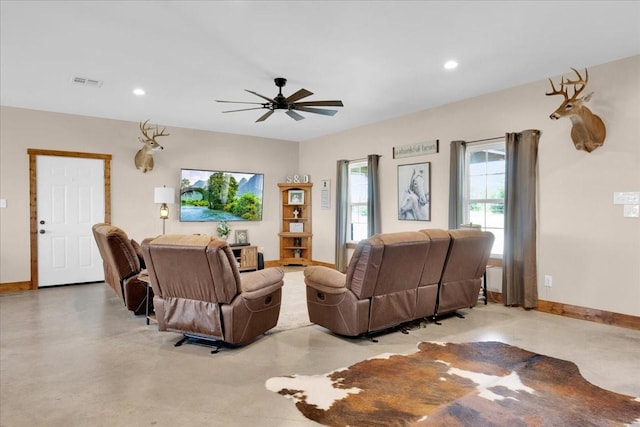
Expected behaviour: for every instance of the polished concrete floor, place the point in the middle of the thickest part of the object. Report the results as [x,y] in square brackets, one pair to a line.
[74,356]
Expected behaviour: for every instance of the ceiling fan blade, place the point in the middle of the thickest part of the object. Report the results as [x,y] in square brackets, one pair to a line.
[265,116]
[244,109]
[261,96]
[240,102]
[295,116]
[302,93]
[315,110]
[320,104]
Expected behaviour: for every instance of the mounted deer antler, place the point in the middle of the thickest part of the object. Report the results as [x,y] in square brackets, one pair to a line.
[144,157]
[588,130]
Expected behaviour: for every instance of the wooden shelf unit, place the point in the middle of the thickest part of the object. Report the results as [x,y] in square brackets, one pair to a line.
[246,257]
[295,244]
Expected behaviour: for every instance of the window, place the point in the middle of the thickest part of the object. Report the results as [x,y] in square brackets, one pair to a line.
[358,196]
[484,186]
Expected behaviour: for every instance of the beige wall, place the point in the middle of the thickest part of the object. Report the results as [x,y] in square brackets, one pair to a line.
[585,243]
[132,204]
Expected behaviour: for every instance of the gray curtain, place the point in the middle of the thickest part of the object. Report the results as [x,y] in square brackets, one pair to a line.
[456,182]
[373,196]
[519,272]
[342,214]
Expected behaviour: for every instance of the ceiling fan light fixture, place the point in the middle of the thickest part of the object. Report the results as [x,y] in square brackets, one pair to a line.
[288,103]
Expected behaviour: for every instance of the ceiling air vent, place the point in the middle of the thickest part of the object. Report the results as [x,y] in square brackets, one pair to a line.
[86,82]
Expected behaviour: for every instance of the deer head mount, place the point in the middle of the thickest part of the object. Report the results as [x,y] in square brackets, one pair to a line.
[588,130]
[144,156]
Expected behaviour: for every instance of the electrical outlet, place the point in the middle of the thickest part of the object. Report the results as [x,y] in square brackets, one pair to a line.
[548,281]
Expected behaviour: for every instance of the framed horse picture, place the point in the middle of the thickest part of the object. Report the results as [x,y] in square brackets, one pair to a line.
[414,192]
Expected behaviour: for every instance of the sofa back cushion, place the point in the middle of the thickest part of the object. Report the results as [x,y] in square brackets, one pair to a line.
[192,267]
[224,269]
[387,263]
[437,256]
[468,255]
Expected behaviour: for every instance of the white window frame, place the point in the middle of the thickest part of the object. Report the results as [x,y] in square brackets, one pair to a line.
[498,231]
[356,186]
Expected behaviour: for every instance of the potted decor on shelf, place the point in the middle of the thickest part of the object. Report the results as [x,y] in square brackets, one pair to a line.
[223,230]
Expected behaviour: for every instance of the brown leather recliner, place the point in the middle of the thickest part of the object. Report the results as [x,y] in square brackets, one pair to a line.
[391,279]
[199,292]
[461,280]
[395,278]
[122,264]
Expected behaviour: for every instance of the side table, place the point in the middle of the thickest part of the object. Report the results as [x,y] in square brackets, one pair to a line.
[492,262]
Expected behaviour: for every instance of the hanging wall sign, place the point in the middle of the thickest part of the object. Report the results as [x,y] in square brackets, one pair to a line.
[418,149]
[325,194]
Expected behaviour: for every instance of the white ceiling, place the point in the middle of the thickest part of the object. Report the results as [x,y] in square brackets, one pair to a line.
[383,59]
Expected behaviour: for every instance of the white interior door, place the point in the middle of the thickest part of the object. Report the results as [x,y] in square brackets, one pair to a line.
[70,199]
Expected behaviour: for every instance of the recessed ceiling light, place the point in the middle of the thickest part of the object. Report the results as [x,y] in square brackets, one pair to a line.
[450,65]
[138,91]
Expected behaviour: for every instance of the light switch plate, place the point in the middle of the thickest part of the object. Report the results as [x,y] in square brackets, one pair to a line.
[3,203]
[632,211]
[626,198]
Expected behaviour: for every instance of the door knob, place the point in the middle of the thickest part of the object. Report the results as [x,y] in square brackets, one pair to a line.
[42,231]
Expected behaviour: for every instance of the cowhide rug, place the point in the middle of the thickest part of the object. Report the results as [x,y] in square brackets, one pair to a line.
[471,384]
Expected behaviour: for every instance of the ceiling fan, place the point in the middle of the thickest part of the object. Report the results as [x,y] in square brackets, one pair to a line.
[289,103]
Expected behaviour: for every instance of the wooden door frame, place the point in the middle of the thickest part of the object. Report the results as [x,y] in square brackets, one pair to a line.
[33,197]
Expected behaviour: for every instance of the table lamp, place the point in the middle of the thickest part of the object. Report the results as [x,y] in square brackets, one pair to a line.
[164,195]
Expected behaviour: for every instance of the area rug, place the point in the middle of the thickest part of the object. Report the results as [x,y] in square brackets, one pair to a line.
[448,384]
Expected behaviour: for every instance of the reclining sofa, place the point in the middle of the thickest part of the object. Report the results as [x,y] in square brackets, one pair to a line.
[395,278]
[199,292]
[122,262]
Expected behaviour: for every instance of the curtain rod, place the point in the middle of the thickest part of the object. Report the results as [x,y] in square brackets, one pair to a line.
[487,139]
[364,158]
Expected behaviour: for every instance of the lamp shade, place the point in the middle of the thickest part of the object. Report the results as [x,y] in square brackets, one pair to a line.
[164,195]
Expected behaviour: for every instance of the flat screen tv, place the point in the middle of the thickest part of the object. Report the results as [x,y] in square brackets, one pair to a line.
[208,195]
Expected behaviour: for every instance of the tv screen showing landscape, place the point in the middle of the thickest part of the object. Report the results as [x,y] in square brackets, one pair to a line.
[207,195]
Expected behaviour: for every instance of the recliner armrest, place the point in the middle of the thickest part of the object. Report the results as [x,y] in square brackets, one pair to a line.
[325,279]
[261,282]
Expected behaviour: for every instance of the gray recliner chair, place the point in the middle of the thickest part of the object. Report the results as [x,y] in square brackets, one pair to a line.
[199,292]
